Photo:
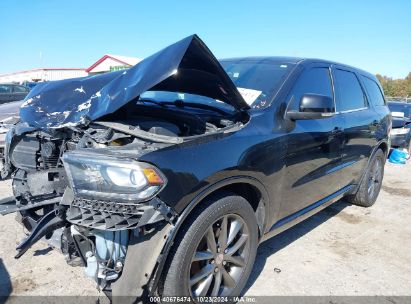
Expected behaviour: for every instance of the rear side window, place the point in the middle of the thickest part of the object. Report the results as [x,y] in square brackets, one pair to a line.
[348,91]
[373,91]
[314,81]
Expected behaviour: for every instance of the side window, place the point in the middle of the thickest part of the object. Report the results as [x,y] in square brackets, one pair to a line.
[374,91]
[315,81]
[4,88]
[348,91]
[19,89]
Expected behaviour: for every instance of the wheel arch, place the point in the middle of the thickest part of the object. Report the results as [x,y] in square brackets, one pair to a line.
[385,147]
[248,187]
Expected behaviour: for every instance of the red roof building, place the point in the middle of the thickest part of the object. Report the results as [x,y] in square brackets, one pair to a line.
[109,63]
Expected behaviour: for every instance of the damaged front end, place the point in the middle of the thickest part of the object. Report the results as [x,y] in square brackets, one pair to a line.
[75,161]
[85,187]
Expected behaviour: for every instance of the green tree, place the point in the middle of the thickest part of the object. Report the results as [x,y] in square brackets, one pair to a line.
[396,87]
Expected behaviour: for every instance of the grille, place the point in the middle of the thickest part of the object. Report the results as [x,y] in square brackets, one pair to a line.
[111,216]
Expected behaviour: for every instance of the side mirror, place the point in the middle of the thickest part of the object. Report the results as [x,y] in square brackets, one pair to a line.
[313,106]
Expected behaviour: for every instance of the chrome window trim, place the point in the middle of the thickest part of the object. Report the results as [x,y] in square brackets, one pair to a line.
[353,110]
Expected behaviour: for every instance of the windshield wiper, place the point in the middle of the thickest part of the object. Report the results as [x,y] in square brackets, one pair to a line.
[181,104]
[160,103]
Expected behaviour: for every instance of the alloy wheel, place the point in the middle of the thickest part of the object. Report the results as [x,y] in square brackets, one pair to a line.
[220,257]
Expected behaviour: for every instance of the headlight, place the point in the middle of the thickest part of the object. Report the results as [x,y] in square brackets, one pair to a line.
[108,178]
[400,131]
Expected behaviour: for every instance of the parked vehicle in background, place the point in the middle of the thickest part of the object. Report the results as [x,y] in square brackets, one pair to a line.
[400,109]
[12,92]
[30,84]
[9,115]
[166,177]
[401,125]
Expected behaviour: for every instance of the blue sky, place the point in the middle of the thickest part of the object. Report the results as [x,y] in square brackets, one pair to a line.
[374,35]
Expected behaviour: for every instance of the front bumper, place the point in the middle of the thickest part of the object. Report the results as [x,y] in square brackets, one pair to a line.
[143,254]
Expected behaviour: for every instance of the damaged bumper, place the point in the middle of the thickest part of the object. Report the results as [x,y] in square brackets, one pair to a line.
[123,260]
[135,254]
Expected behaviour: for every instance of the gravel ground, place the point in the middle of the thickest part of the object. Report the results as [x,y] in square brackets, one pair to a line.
[343,250]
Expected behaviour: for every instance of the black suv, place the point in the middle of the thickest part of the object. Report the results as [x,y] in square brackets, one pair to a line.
[163,179]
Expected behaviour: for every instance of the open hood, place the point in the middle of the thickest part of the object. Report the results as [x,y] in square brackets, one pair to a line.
[187,66]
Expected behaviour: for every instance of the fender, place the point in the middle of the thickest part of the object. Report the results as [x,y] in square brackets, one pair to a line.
[202,195]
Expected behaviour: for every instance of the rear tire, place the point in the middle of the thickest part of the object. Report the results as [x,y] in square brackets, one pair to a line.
[371,183]
[205,260]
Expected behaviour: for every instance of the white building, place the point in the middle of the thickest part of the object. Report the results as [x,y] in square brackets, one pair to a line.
[44,74]
[105,64]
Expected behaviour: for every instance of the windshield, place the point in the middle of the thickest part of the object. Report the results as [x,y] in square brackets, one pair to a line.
[256,79]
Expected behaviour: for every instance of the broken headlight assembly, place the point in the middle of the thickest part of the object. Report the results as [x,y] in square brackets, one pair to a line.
[106,178]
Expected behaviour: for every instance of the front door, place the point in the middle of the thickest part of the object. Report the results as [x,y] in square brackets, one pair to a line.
[314,148]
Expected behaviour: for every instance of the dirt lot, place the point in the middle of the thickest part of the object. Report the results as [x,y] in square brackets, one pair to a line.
[343,250]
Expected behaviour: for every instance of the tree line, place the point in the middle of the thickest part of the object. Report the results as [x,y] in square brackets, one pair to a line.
[396,87]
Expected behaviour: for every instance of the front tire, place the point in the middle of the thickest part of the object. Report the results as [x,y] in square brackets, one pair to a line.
[214,252]
[371,183]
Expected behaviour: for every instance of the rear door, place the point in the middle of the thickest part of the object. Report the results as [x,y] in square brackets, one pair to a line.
[360,123]
[314,147]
